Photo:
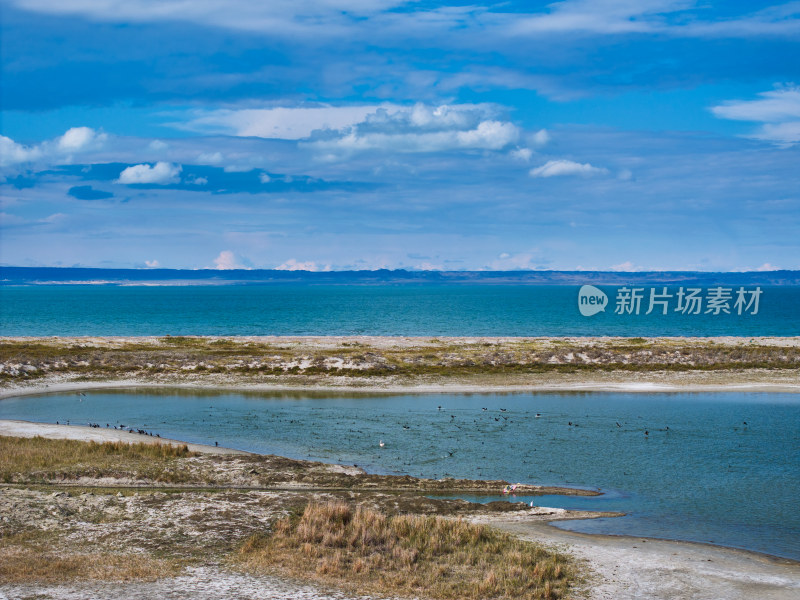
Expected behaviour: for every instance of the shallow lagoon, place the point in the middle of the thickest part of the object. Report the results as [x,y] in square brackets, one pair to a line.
[721,468]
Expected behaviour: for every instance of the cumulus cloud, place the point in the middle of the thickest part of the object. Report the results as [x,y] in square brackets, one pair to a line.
[540,138]
[295,265]
[423,128]
[80,138]
[152,264]
[60,149]
[227,260]
[264,177]
[346,129]
[12,153]
[523,154]
[778,111]
[162,173]
[558,168]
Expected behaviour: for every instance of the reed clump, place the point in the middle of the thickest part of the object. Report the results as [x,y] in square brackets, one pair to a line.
[368,552]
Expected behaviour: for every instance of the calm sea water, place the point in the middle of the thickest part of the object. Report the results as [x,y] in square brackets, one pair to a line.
[721,468]
[431,309]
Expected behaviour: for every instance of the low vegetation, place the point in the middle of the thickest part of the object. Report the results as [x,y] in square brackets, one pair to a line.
[209,359]
[406,555]
[22,562]
[39,459]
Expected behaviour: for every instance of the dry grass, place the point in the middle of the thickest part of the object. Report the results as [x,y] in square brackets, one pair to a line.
[24,562]
[368,552]
[45,460]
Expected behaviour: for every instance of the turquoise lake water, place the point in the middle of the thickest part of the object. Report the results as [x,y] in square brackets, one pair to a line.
[721,468]
[431,309]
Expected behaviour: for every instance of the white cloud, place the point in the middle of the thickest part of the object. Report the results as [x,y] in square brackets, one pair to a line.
[264,177]
[627,266]
[152,264]
[522,261]
[768,267]
[523,154]
[614,17]
[227,260]
[335,18]
[209,158]
[428,266]
[12,153]
[161,173]
[80,138]
[335,130]
[285,123]
[158,145]
[557,168]
[283,17]
[197,180]
[540,138]
[423,128]
[60,149]
[778,110]
[295,265]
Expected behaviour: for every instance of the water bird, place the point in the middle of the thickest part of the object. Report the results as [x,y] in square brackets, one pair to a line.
[381,444]
[485,409]
[618,425]
[440,408]
[646,432]
[538,415]
[502,410]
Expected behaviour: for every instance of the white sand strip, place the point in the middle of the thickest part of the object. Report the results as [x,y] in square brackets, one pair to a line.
[627,568]
[51,431]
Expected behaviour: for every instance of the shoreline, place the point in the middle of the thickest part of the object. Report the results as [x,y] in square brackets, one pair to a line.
[54,386]
[28,429]
[621,566]
[624,566]
[84,433]
[618,567]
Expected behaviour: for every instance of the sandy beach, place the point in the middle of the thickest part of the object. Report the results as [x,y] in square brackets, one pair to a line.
[617,567]
[26,429]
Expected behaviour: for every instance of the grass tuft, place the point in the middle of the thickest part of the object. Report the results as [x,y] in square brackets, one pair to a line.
[369,552]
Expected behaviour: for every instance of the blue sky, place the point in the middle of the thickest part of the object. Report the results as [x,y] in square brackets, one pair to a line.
[363,134]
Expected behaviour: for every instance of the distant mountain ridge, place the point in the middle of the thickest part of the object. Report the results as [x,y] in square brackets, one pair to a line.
[96,276]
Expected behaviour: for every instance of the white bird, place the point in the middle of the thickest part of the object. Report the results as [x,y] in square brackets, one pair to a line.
[381,444]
